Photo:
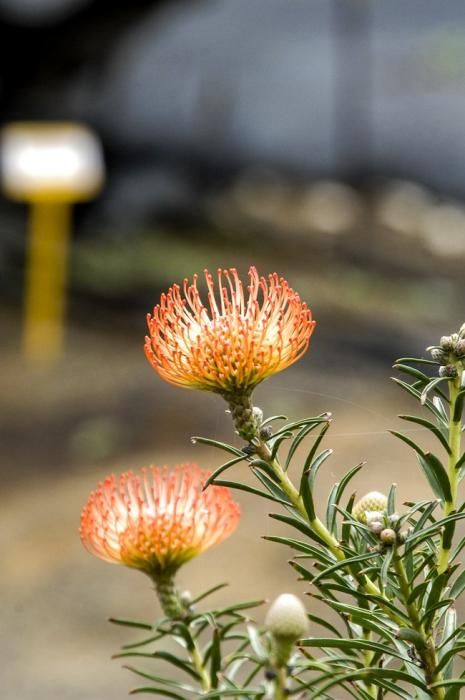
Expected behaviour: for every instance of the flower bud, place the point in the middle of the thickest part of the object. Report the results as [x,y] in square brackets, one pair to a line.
[394,518]
[376,527]
[439,355]
[460,348]
[462,329]
[372,501]
[449,372]
[447,343]
[287,619]
[374,516]
[388,536]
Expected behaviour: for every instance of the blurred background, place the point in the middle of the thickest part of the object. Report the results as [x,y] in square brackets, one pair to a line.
[323,140]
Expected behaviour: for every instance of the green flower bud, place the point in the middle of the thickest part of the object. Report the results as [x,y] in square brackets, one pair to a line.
[287,619]
[388,536]
[372,501]
[449,371]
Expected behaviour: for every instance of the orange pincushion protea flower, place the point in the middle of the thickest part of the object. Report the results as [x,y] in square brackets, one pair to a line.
[156,520]
[233,343]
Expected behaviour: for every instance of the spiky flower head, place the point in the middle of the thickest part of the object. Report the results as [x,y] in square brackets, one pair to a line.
[155,520]
[374,501]
[232,342]
[286,618]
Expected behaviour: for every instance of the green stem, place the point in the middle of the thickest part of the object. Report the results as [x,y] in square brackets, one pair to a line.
[317,526]
[196,658]
[173,608]
[368,660]
[425,645]
[455,445]
[168,595]
[280,691]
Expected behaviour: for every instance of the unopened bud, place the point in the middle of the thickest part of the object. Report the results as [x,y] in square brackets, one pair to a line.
[376,527]
[372,501]
[446,343]
[287,619]
[388,536]
[186,598]
[460,348]
[439,355]
[374,516]
[394,518]
[448,372]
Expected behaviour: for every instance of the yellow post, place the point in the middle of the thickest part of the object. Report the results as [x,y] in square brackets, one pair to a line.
[46,272]
[51,166]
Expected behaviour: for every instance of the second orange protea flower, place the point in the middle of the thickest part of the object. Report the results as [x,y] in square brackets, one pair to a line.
[156,520]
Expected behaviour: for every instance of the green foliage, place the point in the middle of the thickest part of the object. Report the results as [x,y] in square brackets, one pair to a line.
[385,623]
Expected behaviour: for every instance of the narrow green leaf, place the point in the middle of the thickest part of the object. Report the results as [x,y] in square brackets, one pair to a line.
[428,617]
[412,371]
[164,656]
[458,586]
[160,679]
[331,511]
[301,435]
[349,645]
[209,592]
[239,486]
[413,392]
[434,529]
[274,489]
[305,547]
[324,623]
[418,360]
[307,496]
[441,474]
[347,524]
[220,445]
[313,450]
[157,691]
[222,469]
[445,652]
[457,682]
[130,623]
[315,465]
[430,386]
[323,418]
[430,426]
[271,419]
[370,674]
[384,572]
[345,563]
[215,659]
[391,503]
